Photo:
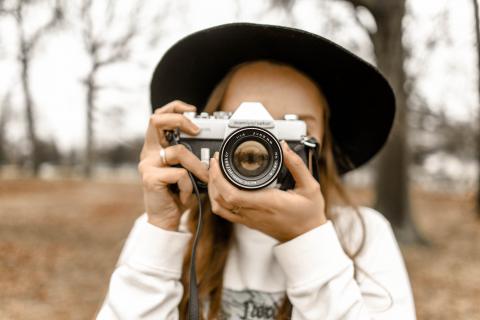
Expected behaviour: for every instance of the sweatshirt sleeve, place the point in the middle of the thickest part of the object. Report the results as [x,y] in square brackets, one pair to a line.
[146,281]
[320,276]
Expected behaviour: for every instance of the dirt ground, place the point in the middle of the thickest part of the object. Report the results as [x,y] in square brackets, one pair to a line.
[59,242]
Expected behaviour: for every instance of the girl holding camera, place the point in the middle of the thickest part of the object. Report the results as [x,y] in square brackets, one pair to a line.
[304,253]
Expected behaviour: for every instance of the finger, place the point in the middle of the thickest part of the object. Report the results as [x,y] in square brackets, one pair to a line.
[170,121]
[244,210]
[248,214]
[177,154]
[156,179]
[225,213]
[296,166]
[232,195]
[218,197]
[155,139]
[152,140]
[180,154]
[176,106]
[185,187]
[215,195]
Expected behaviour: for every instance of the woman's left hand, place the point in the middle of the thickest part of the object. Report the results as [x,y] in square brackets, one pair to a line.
[282,215]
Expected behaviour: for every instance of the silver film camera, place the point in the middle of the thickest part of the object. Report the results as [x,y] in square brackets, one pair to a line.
[250,154]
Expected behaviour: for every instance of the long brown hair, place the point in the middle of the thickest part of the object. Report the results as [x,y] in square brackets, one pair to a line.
[216,237]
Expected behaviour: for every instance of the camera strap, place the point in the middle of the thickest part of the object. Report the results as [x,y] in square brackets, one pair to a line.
[193,303]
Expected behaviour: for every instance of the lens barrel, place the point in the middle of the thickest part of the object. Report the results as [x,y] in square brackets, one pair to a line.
[251,158]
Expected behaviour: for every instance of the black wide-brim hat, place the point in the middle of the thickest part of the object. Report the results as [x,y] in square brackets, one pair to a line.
[361,102]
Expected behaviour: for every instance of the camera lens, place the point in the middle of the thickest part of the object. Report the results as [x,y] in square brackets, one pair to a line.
[250,158]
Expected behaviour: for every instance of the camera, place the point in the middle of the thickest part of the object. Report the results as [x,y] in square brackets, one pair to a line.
[248,142]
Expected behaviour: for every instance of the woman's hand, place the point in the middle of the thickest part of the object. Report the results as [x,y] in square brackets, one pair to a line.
[164,208]
[283,215]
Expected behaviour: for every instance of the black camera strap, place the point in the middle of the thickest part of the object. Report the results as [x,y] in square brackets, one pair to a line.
[193,307]
[193,303]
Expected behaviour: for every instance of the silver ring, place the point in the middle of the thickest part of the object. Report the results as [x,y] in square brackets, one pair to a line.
[163,157]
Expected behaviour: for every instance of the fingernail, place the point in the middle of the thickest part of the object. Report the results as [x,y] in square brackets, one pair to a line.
[193,126]
[215,155]
[285,144]
[206,164]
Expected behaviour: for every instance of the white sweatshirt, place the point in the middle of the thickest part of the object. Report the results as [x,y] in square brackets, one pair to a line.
[313,269]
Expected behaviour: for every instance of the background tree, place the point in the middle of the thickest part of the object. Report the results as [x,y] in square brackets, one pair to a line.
[104,49]
[48,151]
[28,41]
[4,116]
[122,153]
[392,181]
[477,45]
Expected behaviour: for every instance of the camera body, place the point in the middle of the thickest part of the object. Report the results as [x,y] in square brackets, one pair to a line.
[250,154]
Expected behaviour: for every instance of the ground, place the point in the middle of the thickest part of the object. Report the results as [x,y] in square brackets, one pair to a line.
[59,241]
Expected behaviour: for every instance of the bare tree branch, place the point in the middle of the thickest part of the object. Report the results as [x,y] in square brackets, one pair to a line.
[360,23]
[110,13]
[55,19]
[477,46]
[364,3]
[283,4]
[104,52]
[286,6]
[4,10]
[26,48]
[376,7]
[159,17]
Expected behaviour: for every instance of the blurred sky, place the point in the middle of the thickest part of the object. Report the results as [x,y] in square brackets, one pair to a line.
[440,34]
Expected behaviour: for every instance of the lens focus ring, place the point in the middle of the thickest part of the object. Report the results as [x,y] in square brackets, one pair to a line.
[251,158]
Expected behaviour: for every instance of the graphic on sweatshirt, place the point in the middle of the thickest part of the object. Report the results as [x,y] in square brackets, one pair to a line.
[250,304]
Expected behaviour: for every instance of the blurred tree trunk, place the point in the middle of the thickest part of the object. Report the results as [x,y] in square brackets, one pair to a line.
[90,147]
[104,52]
[32,137]
[4,117]
[24,59]
[392,184]
[27,45]
[477,44]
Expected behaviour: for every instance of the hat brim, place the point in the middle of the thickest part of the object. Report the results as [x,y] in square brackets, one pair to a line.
[362,103]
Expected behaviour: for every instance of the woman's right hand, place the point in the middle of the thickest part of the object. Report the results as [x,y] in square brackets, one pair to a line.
[163,207]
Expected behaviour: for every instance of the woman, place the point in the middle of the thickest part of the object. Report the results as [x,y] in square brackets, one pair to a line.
[305,253]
